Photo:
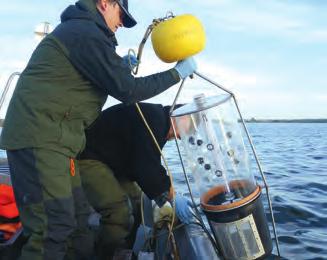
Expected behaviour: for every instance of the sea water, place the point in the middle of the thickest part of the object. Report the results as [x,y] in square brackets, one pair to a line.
[294,159]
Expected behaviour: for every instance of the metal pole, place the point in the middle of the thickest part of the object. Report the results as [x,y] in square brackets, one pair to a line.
[212,82]
[254,153]
[262,175]
[177,95]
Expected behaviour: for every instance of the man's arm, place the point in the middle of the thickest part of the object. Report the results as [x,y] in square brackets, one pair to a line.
[103,67]
[145,165]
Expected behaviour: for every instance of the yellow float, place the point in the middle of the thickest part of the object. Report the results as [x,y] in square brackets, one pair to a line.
[178,38]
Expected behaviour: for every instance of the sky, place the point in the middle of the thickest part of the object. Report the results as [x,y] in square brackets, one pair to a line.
[271,54]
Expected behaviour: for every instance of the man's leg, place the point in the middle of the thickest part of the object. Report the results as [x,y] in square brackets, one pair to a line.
[42,185]
[82,241]
[134,193]
[107,197]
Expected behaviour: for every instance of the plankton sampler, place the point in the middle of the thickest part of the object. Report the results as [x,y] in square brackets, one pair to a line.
[211,130]
[230,197]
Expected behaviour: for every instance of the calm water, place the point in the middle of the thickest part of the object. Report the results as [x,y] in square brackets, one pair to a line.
[294,157]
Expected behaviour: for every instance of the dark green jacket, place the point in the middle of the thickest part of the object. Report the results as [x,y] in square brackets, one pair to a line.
[66,82]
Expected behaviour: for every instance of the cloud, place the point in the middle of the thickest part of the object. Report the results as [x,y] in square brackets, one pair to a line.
[300,21]
[319,35]
[283,104]
[16,7]
[320,97]
[251,20]
[15,52]
[228,76]
[261,50]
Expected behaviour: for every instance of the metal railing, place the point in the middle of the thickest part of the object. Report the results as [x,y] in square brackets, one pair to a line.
[6,88]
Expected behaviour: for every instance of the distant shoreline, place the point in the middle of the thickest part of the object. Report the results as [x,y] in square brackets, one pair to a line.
[285,120]
[253,120]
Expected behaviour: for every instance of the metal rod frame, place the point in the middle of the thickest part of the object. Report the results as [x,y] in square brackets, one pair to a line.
[250,142]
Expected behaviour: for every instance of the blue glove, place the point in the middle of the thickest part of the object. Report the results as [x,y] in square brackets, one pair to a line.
[183,209]
[185,67]
[130,61]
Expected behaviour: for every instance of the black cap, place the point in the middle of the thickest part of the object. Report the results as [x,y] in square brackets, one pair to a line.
[128,20]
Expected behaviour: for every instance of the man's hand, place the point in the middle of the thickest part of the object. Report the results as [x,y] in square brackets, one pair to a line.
[185,67]
[130,61]
[183,209]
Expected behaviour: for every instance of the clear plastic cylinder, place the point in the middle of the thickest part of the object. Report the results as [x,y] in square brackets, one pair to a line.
[212,133]
[212,138]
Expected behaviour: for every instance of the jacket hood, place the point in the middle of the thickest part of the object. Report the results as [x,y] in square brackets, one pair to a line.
[86,9]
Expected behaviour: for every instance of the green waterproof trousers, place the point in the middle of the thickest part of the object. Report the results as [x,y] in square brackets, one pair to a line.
[118,202]
[51,204]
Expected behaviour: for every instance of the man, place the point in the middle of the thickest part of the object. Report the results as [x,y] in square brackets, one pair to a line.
[58,95]
[121,156]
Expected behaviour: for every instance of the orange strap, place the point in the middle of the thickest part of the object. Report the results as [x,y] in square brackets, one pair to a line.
[72,167]
[10,227]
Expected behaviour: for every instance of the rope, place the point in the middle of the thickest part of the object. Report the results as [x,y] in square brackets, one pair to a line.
[165,162]
[134,70]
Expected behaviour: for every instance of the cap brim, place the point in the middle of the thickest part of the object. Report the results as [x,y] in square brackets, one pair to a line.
[128,20]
